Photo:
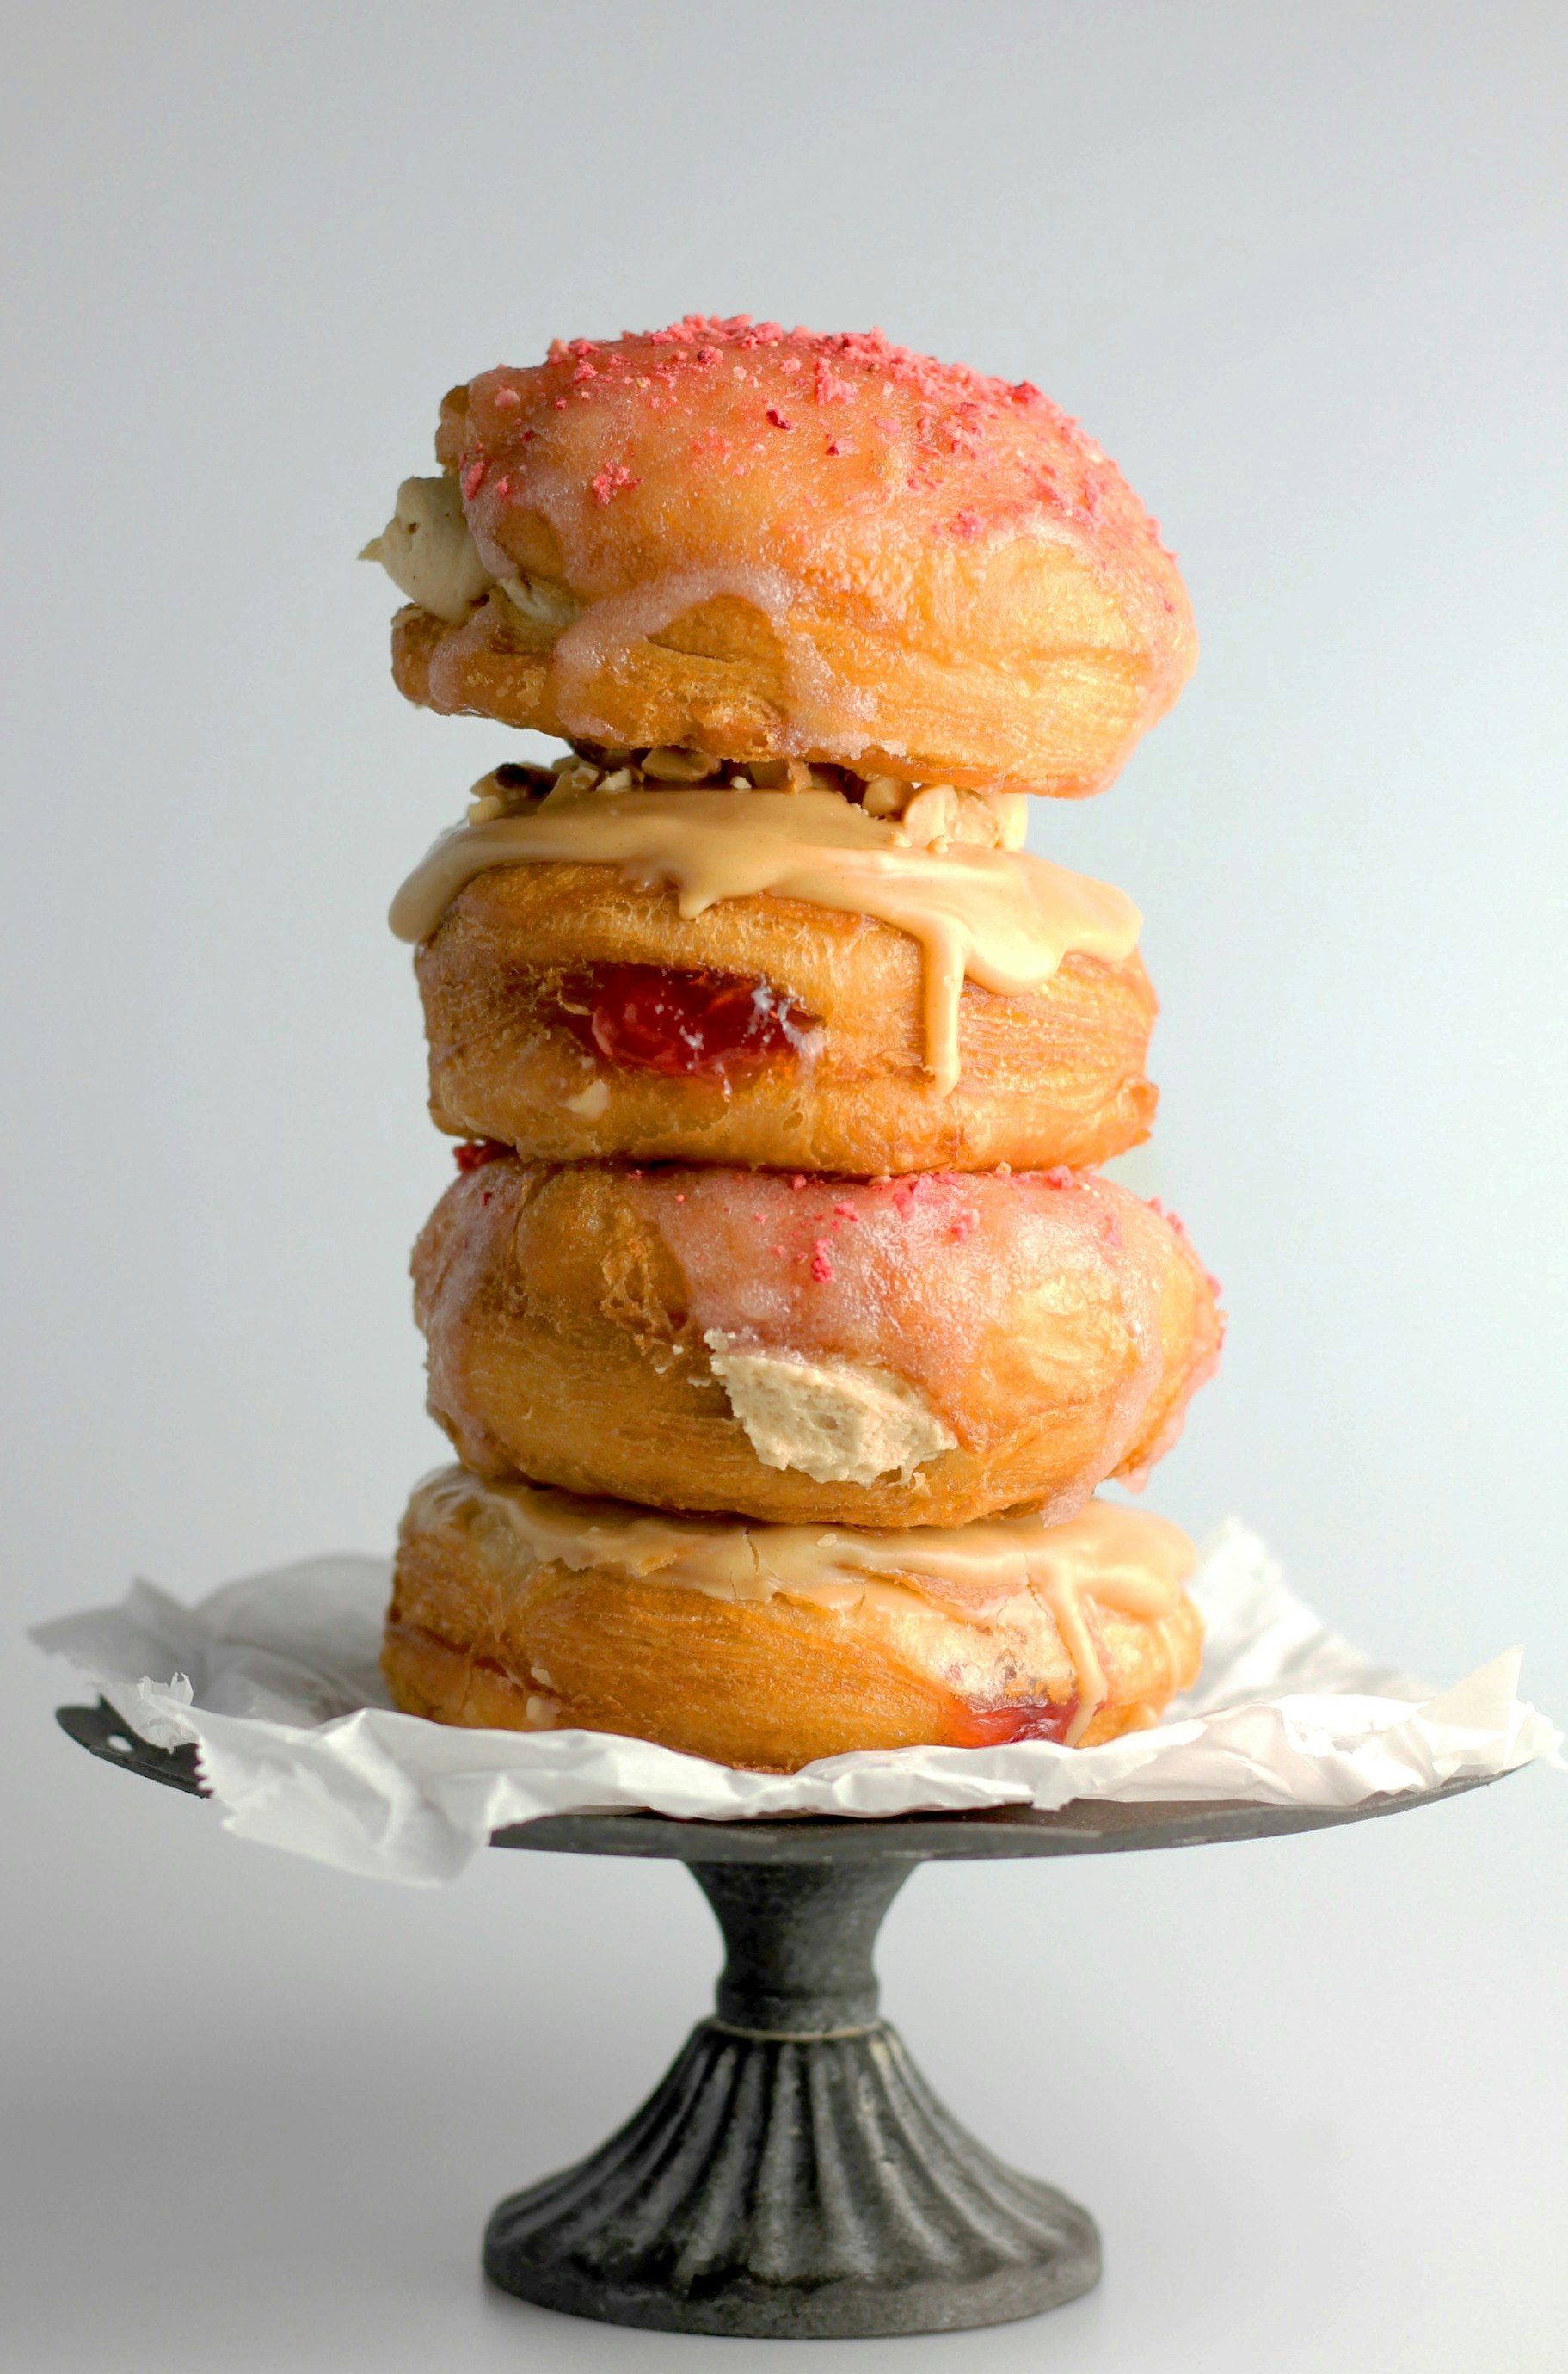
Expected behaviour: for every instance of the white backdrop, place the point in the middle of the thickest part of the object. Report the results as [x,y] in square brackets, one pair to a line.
[1300,271]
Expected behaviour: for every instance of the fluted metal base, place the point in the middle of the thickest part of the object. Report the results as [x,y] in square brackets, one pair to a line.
[788,2187]
[793,2176]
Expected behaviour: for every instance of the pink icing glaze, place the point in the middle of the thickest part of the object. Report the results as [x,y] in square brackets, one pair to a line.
[807,1266]
[985,450]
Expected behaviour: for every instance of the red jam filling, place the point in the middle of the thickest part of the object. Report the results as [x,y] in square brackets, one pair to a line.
[475,1152]
[1024,1719]
[684,1025]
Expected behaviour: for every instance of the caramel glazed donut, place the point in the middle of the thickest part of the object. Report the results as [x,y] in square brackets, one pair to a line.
[791,968]
[771,1646]
[922,1351]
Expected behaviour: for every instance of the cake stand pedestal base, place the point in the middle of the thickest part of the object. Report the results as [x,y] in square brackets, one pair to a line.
[793,2176]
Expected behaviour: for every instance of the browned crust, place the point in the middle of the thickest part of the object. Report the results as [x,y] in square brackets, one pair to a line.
[1056,1076]
[563,1348]
[770,1684]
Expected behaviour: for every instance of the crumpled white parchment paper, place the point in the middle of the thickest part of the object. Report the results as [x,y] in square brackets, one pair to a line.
[275,1680]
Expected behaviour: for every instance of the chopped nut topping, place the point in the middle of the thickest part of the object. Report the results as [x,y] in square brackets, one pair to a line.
[931,817]
[780,774]
[886,796]
[573,782]
[604,754]
[507,790]
[670,766]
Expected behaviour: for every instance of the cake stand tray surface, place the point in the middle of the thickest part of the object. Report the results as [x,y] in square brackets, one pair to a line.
[793,2176]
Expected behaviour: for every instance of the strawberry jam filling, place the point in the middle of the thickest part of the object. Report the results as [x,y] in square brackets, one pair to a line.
[475,1152]
[684,1025]
[1024,1719]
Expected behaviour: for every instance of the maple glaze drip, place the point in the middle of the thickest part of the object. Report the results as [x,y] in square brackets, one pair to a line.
[999,917]
[684,1024]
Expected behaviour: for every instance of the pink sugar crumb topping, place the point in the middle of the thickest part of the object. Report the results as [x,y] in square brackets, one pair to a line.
[986,442]
[1060,1176]
[821,1262]
[846,1212]
[612,482]
[474,478]
[961,403]
[964,1225]
[798,1181]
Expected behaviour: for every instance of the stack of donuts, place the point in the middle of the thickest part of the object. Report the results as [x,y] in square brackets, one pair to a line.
[780,1319]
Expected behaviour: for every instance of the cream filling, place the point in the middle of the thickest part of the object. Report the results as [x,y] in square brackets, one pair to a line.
[999,917]
[839,1422]
[426,551]
[551,608]
[427,548]
[1120,1558]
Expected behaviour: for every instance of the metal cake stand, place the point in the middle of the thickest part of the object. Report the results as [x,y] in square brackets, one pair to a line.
[793,2176]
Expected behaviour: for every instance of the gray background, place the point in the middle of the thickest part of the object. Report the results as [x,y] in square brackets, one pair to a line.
[1301,270]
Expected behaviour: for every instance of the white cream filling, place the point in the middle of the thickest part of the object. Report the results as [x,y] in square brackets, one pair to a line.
[841,1422]
[426,551]
[546,606]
